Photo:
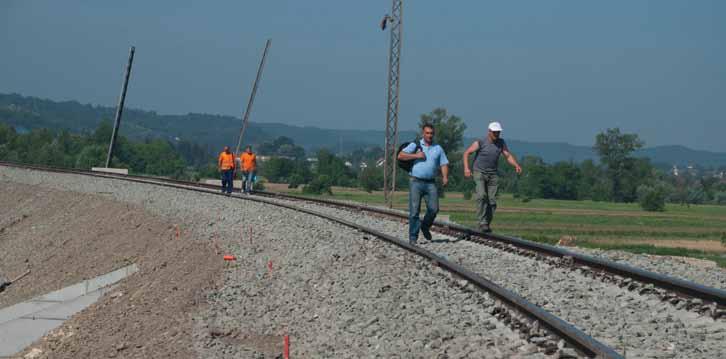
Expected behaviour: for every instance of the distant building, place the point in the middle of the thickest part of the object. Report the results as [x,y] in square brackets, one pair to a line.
[674,170]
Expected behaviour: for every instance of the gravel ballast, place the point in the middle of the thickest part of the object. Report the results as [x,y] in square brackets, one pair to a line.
[640,325]
[336,292]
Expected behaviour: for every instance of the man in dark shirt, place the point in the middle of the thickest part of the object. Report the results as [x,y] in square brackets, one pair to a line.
[486,162]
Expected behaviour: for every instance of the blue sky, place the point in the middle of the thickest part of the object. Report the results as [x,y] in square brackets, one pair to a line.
[550,71]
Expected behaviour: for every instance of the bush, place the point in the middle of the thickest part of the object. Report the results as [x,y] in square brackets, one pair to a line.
[295,181]
[319,185]
[371,179]
[719,198]
[652,198]
[259,185]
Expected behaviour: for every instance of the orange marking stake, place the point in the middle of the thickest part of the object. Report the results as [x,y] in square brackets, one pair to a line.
[229,257]
[286,347]
[177,232]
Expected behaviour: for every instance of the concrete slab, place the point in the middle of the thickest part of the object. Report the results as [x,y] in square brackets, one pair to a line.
[121,171]
[21,309]
[24,323]
[19,333]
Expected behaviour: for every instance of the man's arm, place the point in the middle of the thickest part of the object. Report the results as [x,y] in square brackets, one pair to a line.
[473,148]
[404,155]
[445,174]
[510,158]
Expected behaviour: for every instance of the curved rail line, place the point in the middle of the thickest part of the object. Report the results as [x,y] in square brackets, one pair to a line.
[680,286]
[572,335]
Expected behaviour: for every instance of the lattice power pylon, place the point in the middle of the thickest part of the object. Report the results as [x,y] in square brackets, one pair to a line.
[394,77]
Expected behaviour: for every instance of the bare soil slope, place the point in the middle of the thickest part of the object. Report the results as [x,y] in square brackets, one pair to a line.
[66,237]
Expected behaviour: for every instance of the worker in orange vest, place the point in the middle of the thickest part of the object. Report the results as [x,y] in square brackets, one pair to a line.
[249,166]
[226,168]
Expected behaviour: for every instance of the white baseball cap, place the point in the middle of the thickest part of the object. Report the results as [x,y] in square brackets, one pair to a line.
[495,126]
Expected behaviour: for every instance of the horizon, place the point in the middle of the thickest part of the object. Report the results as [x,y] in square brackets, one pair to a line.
[466,137]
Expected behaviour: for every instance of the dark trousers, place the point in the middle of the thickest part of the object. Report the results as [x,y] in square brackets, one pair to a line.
[227,180]
[421,189]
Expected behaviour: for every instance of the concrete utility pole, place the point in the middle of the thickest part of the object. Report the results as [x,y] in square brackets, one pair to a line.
[394,77]
[120,108]
[246,116]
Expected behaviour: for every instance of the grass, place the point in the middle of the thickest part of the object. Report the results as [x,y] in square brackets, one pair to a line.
[697,231]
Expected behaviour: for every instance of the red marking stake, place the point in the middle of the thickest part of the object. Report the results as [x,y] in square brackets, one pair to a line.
[286,347]
[178,233]
[269,266]
[229,257]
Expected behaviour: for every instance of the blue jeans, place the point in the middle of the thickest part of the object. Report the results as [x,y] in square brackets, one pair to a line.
[227,177]
[247,181]
[430,194]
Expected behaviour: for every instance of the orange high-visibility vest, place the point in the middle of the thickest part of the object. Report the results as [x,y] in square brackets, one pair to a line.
[226,161]
[249,161]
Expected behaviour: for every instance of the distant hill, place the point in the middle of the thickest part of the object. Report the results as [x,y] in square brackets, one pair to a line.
[214,131]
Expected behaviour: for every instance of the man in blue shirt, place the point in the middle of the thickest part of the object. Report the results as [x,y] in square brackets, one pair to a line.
[427,162]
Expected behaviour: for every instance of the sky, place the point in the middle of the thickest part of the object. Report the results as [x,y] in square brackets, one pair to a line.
[549,71]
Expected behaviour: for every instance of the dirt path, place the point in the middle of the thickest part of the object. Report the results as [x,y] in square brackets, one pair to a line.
[66,237]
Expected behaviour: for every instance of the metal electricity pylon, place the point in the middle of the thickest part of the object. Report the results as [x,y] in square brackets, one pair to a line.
[394,77]
[120,108]
[246,116]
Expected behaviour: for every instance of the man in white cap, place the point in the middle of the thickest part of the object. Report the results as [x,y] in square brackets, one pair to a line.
[486,162]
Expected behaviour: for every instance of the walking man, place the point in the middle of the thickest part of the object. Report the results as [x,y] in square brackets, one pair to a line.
[486,162]
[225,163]
[249,166]
[428,159]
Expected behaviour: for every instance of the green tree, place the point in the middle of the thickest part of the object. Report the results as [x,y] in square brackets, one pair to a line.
[615,150]
[449,129]
[371,178]
[652,198]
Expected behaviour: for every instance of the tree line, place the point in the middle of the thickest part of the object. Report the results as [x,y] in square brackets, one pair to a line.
[86,150]
[618,176]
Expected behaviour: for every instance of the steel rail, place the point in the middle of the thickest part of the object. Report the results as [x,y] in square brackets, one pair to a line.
[571,334]
[681,286]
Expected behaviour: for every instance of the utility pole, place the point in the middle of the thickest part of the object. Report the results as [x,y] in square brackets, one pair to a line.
[394,77]
[120,108]
[246,116]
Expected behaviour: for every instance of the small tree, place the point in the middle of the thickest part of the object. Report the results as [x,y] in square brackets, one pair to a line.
[371,178]
[615,150]
[652,198]
[319,185]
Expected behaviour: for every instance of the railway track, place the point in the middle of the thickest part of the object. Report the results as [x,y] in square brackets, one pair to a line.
[696,297]
[530,320]
[681,294]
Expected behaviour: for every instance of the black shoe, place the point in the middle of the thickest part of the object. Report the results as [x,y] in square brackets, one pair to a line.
[426,233]
[485,228]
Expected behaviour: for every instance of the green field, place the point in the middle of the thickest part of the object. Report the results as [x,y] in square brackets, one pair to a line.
[695,231]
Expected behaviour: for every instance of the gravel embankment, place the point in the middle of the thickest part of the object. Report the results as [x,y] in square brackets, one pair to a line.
[336,292]
[639,324]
